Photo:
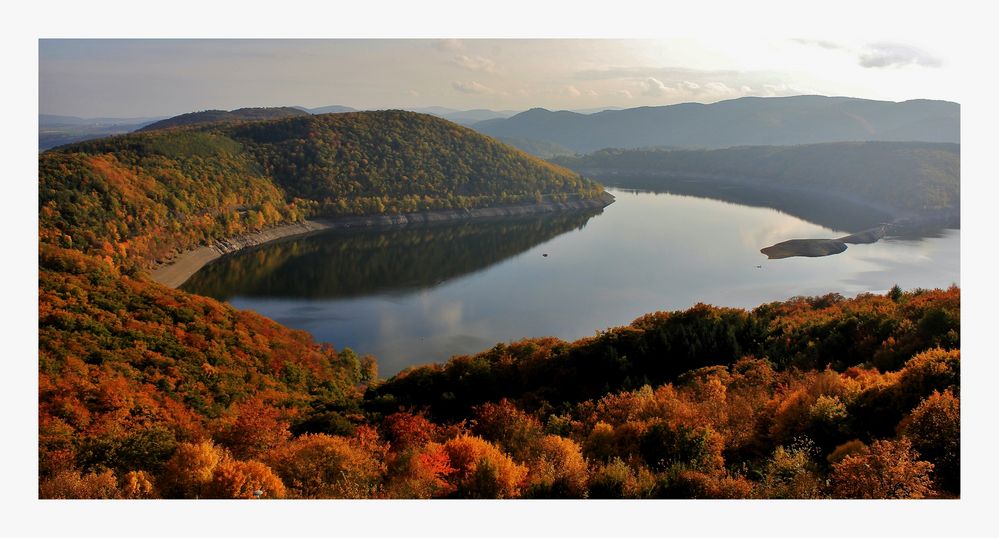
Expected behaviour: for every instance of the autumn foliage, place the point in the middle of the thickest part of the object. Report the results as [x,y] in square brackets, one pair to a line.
[887,470]
[482,471]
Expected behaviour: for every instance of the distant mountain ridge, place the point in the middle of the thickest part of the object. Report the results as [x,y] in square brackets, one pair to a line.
[461,117]
[214,116]
[805,119]
[55,130]
[910,177]
[57,120]
[331,109]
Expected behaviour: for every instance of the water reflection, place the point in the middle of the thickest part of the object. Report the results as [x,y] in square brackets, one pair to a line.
[396,261]
[813,207]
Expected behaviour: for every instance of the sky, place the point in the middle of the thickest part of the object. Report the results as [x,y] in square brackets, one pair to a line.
[150,77]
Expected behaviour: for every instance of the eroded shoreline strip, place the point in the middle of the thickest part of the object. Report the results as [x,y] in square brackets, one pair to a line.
[183,266]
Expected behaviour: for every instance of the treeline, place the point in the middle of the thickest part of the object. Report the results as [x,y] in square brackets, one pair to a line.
[908,176]
[142,197]
[805,333]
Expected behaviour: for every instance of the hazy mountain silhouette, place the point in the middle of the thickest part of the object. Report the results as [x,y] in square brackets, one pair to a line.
[55,130]
[214,116]
[805,119]
[894,178]
[331,109]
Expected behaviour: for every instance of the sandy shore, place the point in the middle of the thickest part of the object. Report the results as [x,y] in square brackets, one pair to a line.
[181,268]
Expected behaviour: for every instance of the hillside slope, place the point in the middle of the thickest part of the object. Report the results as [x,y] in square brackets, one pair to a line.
[143,197]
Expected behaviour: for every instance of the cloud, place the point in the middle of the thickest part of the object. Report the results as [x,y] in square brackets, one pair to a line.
[710,91]
[684,83]
[721,90]
[896,55]
[880,54]
[623,93]
[777,90]
[829,45]
[472,87]
[655,87]
[611,73]
[448,45]
[573,91]
[475,63]
[413,93]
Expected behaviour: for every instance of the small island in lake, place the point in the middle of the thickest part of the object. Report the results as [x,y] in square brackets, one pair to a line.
[814,248]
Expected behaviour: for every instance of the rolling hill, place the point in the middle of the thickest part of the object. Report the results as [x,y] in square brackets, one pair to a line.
[147,195]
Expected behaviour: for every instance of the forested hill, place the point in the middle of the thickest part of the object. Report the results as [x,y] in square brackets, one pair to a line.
[216,116]
[908,176]
[142,197]
[801,119]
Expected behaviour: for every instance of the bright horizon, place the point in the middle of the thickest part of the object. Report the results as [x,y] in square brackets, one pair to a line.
[121,78]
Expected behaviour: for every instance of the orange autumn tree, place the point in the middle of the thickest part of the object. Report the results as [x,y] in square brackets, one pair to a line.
[934,427]
[138,485]
[320,466]
[420,473]
[188,473]
[618,480]
[887,470]
[557,469]
[502,423]
[70,484]
[233,479]
[483,471]
[254,428]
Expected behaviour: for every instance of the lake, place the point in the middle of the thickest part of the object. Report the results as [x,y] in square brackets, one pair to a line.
[423,293]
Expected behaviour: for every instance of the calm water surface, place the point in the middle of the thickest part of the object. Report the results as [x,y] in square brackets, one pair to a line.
[424,293]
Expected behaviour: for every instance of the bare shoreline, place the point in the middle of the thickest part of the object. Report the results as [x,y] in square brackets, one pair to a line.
[182,267]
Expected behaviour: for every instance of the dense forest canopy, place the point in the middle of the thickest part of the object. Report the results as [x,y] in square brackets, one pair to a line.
[379,157]
[145,196]
[907,176]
